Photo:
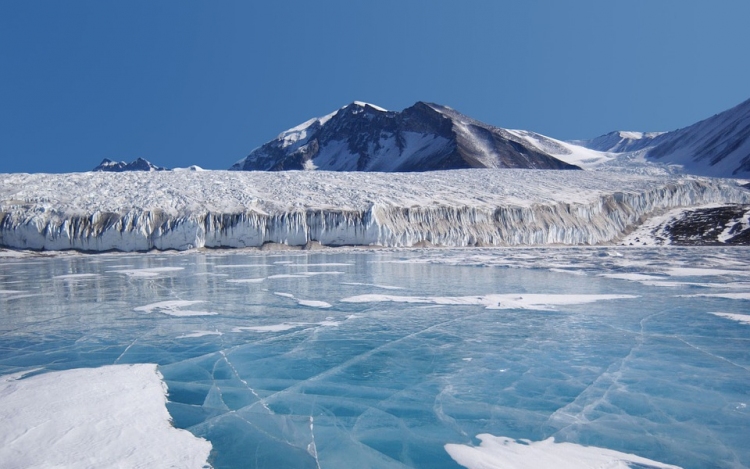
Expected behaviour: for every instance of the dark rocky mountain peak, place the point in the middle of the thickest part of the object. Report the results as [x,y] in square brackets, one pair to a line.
[423,137]
[139,164]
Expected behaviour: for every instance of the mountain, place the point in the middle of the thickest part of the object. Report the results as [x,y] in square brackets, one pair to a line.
[718,146]
[423,137]
[119,166]
[620,141]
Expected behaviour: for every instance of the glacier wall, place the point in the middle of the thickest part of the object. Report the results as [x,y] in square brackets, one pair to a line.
[593,212]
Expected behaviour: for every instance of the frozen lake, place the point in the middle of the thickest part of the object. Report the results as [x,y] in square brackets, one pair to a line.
[380,359]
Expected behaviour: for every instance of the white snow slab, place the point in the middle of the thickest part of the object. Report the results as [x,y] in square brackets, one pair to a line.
[75,276]
[301,302]
[632,276]
[504,301]
[247,280]
[313,303]
[149,272]
[701,272]
[743,318]
[498,452]
[269,328]
[729,296]
[172,308]
[113,416]
[329,322]
[197,334]
[384,287]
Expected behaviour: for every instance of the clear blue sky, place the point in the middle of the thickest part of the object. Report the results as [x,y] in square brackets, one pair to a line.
[204,82]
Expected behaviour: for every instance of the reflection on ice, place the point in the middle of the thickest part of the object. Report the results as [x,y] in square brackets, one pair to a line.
[388,357]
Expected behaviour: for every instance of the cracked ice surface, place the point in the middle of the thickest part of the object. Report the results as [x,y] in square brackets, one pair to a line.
[380,359]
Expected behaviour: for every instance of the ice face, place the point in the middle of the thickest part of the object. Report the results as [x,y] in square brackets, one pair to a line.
[381,359]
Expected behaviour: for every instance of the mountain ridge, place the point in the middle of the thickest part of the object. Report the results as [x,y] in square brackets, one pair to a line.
[716,146]
[139,164]
[422,137]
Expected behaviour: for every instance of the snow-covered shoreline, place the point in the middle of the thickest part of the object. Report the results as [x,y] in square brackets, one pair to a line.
[221,209]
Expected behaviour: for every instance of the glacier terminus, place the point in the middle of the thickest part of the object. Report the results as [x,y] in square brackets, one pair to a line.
[141,211]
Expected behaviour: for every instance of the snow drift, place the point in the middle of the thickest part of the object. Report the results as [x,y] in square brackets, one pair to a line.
[221,209]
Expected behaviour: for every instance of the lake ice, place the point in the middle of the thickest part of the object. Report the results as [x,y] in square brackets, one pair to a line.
[438,358]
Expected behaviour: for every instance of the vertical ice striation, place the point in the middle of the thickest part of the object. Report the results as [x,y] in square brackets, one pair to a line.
[451,208]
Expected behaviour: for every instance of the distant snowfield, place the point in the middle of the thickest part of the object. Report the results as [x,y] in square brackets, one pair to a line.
[113,416]
[482,207]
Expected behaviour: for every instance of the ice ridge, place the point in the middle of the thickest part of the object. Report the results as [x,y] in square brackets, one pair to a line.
[217,209]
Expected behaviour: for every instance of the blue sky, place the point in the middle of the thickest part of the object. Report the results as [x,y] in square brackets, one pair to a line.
[187,82]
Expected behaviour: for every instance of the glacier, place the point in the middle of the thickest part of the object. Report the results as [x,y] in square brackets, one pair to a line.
[221,209]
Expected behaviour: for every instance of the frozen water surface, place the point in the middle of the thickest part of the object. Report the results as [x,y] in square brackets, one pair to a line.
[497,357]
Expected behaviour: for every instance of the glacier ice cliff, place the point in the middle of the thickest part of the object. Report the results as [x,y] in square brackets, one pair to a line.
[221,209]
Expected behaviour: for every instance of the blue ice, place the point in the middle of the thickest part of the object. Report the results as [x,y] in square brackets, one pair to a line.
[265,358]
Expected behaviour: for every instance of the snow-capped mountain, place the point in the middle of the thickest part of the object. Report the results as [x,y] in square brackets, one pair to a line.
[139,164]
[423,137]
[620,141]
[718,146]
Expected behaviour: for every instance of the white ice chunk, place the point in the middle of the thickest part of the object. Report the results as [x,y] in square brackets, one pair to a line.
[496,452]
[314,303]
[113,416]
[743,318]
[700,272]
[635,277]
[301,302]
[247,280]
[172,308]
[196,334]
[269,328]
[729,296]
[75,276]
[504,301]
[150,272]
[384,287]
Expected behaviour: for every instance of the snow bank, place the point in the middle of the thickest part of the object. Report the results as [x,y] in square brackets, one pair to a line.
[184,210]
[114,416]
